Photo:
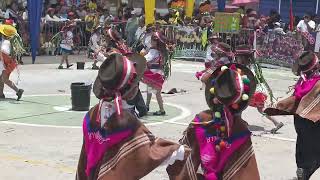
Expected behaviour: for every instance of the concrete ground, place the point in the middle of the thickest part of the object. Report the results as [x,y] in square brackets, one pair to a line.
[37,145]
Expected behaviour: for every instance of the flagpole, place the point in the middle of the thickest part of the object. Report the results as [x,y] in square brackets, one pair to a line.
[279,8]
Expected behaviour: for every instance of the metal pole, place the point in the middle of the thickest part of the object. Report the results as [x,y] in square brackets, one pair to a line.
[317,8]
[279,8]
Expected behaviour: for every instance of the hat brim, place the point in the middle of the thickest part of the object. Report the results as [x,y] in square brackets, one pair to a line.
[219,51]
[140,64]
[215,74]
[4,26]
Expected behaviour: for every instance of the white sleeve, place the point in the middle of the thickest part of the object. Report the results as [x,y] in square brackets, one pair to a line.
[152,54]
[312,24]
[209,52]
[299,24]
[5,47]
[176,155]
[101,57]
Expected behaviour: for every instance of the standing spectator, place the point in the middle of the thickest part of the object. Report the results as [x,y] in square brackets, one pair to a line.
[141,29]
[132,26]
[306,25]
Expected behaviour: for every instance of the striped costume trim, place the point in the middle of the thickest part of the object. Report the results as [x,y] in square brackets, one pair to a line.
[126,149]
[239,164]
[313,104]
[190,167]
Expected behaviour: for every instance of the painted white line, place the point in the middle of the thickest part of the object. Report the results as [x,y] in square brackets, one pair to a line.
[184,114]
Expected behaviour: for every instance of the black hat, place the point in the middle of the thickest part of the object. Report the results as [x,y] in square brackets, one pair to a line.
[118,75]
[231,85]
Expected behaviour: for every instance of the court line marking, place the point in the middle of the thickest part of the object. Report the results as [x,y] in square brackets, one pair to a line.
[184,114]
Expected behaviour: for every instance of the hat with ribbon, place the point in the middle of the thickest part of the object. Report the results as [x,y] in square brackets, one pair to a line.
[159,37]
[118,78]
[8,30]
[231,85]
[307,62]
[244,50]
[222,48]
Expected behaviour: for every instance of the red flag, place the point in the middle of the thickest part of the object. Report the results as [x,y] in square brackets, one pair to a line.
[291,17]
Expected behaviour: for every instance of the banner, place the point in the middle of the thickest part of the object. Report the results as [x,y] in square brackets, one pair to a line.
[227,22]
[189,8]
[34,15]
[149,7]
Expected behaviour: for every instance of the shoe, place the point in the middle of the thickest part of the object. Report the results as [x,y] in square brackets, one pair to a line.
[159,113]
[19,94]
[2,96]
[69,65]
[21,62]
[95,67]
[301,174]
[60,67]
[142,114]
[279,126]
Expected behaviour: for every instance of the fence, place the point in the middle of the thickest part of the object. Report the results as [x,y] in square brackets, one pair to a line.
[190,43]
[278,49]
[271,48]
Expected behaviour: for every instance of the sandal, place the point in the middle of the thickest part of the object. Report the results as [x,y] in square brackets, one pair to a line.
[159,113]
[95,67]
[279,126]
[19,94]
[69,65]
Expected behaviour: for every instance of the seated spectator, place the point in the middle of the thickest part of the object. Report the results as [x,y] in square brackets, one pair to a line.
[51,16]
[93,5]
[277,29]
[82,12]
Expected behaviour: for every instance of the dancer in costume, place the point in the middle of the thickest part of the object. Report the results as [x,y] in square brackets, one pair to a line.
[222,54]
[157,70]
[117,146]
[66,44]
[245,55]
[304,106]
[210,57]
[219,137]
[95,43]
[11,47]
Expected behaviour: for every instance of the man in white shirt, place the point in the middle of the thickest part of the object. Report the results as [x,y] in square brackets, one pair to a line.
[306,25]
[141,29]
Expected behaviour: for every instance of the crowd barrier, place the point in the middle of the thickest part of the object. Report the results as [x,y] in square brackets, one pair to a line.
[271,48]
[191,44]
[278,49]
